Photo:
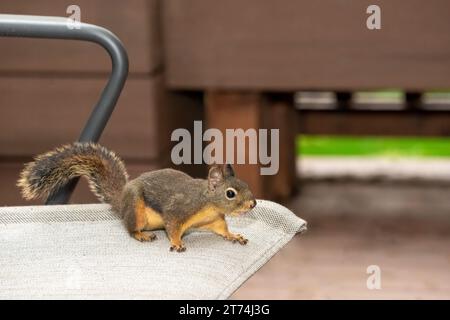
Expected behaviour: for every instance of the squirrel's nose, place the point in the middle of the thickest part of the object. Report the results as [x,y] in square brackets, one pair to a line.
[253,204]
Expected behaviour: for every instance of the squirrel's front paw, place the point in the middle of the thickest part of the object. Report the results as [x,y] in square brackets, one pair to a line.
[178,248]
[237,238]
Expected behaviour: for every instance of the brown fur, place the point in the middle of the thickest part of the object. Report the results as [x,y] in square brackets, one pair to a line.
[162,199]
[48,172]
[141,219]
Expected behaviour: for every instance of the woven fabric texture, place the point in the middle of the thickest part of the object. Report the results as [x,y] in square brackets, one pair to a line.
[85,252]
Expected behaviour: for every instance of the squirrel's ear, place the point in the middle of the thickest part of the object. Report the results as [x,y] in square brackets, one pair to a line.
[228,170]
[215,177]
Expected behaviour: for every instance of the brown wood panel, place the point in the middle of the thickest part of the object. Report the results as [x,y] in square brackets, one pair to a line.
[252,110]
[135,22]
[282,117]
[297,44]
[387,123]
[10,194]
[40,113]
[232,110]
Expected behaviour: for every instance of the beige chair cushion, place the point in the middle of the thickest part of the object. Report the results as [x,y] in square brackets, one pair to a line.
[85,252]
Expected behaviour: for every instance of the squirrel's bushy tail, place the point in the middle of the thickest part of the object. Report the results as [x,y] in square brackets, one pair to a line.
[104,171]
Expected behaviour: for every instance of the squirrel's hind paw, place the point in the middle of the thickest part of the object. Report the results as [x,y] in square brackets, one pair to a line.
[141,236]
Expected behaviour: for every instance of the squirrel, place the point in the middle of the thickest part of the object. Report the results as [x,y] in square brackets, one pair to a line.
[162,199]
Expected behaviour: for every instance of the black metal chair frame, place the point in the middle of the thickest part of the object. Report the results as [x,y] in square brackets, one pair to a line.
[63,28]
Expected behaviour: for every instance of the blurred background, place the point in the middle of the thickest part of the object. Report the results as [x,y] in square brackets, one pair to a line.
[364,119]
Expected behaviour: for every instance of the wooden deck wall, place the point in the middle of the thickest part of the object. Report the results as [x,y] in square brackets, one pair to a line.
[291,45]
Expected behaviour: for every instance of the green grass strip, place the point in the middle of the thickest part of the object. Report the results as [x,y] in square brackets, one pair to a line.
[372,146]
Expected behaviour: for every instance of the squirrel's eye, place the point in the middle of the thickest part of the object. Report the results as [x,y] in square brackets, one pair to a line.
[231,193]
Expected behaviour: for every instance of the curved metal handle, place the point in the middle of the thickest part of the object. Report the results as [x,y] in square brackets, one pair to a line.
[58,28]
